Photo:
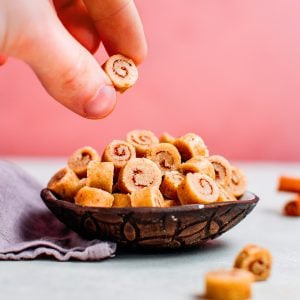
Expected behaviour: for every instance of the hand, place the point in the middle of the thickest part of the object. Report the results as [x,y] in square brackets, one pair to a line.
[57,40]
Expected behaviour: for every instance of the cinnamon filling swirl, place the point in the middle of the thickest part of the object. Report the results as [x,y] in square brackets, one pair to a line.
[121,71]
[80,159]
[119,153]
[165,156]
[197,188]
[139,173]
[222,169]
[142,140]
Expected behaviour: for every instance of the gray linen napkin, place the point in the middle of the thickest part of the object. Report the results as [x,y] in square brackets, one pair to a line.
[29,230]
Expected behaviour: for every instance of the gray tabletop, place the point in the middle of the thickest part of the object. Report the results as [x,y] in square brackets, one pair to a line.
[169,275]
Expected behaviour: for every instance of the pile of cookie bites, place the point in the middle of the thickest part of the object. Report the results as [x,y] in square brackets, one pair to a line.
[146,171]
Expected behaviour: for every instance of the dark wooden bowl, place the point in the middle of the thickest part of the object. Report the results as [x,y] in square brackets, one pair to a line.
[152,228]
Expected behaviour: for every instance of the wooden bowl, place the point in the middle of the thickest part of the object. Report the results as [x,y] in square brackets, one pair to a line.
[152,228]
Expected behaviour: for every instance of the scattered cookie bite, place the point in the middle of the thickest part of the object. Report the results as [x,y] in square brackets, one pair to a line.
[122,71]
[232,284]
[256,260]
[167,172]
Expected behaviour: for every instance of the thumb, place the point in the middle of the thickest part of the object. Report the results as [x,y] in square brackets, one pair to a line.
[66,69]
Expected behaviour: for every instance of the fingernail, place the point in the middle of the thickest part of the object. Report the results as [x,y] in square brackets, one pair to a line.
[102,104]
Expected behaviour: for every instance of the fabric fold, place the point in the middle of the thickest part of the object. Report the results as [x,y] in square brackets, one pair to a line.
[28,230]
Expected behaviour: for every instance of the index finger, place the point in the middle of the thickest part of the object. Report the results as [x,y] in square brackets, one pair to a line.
[119,27]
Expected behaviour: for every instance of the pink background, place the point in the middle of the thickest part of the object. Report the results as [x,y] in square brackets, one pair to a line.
[227,70]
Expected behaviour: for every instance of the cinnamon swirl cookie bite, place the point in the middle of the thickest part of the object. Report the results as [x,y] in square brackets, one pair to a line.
[238,182]
[145,171]
[64,184]
[255,259]
[225,195]
[119,153]
[198,164]
[222,168]
[142,140]
[147,197]
[121,200]
[170,184]
[165,156]
[80,159]
[190,145]
[232,284]
[122,72]
[100,175]
[93,197]
[139,173]
[198,189]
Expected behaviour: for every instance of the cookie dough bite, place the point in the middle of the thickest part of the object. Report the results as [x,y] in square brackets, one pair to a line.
[198,164]
[197,188]
[93,197]
[147,197]
[256,260]
[225,195]
[139,173]
[121,200]
[170,184]
[119,153]
[80,159]
[222,168]
[122,72]
[167,138]
[165,156]
[64,184]
[233,284]
[100,175]
[238,182]
[190,145]
[142,140]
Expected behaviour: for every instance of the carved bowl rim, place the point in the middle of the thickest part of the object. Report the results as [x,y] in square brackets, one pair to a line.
[247,198]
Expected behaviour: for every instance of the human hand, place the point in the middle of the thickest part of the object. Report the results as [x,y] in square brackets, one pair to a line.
[57,40]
